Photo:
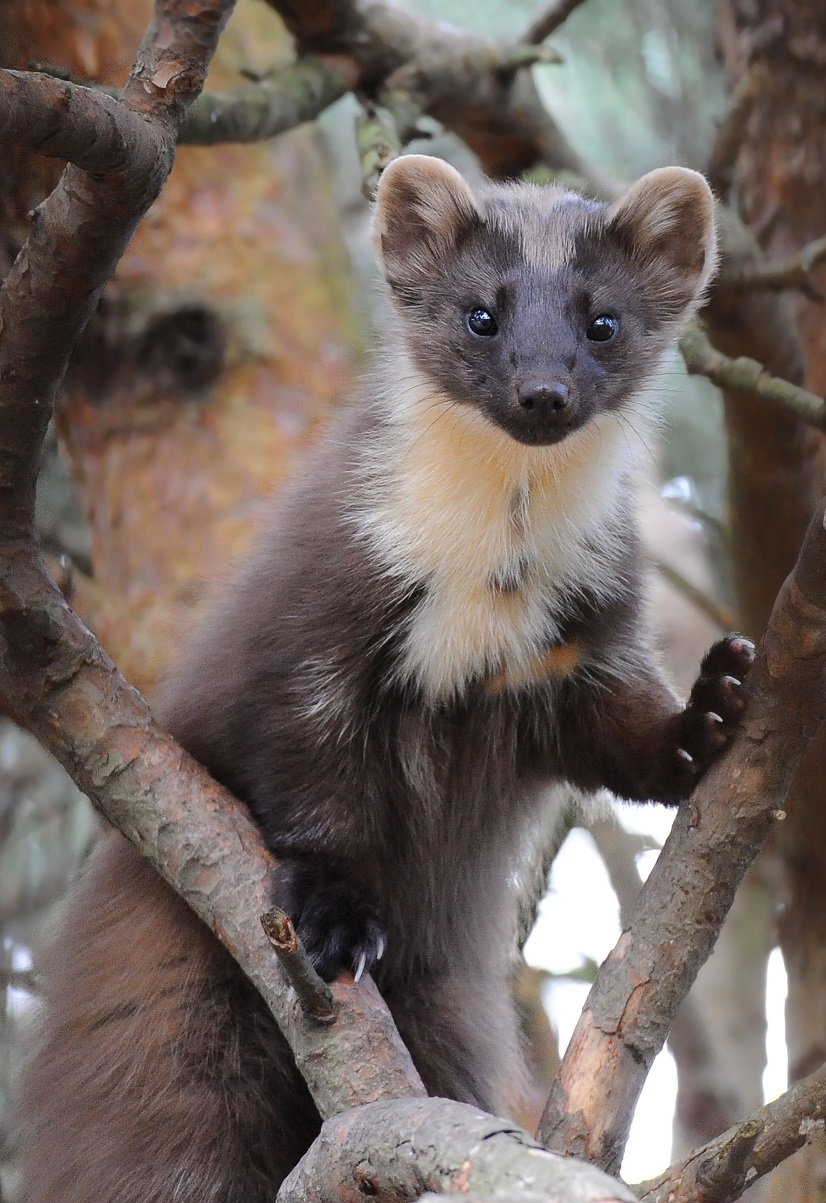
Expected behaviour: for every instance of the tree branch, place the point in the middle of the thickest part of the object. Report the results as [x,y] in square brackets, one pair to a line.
[395,1151]
[796,273]
[727,1166]
[716,835]
[261,110]
[549,20]
[299,93]
[720,615]
[732,132]
[465,82]
[745,375]
[68,121]
[315,997]
[55,678]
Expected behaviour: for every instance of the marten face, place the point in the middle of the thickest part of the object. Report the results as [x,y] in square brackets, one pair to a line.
[538,307]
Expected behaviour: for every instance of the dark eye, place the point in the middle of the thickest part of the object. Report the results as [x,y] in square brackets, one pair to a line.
[602,328]
[481,322]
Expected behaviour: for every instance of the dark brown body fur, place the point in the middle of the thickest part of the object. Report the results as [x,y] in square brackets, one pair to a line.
[398,812]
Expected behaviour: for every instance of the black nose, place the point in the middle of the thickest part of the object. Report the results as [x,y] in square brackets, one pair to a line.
[543,398]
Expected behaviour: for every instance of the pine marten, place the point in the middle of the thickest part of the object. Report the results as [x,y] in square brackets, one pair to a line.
[443,619]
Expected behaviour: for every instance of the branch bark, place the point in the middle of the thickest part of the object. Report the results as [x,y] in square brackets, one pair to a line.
[455,77]
[549,20]
[56,680]
[681,907]
[723,1169]
[395,1151]
[744,375]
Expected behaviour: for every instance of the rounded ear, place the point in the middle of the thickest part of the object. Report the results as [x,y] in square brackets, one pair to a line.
[667,220]
[423,208]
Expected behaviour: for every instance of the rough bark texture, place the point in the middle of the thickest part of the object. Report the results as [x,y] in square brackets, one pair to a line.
[716,835]
[55,678]
[724,1168]
[719,1036]
[450,74]
[396,1151]
[781,175]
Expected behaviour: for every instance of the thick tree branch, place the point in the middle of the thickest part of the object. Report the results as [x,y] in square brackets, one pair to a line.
[55,678]
[716,835]
[745,375]
[396,1151]
[68,121]
[727,1166]
[464,81]
[253,113]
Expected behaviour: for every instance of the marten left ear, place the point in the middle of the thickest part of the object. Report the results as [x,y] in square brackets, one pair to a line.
[423,208]
[666,220]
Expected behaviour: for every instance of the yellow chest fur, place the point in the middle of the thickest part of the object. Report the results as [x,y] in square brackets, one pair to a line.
[501,535]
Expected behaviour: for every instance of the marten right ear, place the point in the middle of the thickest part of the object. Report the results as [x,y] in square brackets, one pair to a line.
[666,220]
[423,209]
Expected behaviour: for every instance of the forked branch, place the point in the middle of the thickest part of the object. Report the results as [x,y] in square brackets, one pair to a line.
[716,835]
[723,1169]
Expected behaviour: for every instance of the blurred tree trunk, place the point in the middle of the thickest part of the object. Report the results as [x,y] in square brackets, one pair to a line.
[782,183]
[218,351]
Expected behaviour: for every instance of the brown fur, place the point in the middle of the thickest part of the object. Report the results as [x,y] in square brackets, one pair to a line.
[443,620]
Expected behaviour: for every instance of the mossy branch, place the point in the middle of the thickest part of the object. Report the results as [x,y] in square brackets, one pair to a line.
[745,375]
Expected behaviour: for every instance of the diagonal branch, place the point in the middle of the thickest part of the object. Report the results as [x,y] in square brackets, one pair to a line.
[464,81]
[723,1169]
[65,120]
[796,273]
[716,835]
[397,1150]
[549,20]
[55,679]
[744,375]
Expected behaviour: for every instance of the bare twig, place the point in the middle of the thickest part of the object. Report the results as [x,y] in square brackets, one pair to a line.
[721,616]
[548,20]
[748,376]
[682,905]
[19,979]
[796,273]
[727,1166]
[314,995]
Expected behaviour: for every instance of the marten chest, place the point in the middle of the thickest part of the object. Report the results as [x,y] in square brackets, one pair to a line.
[502,542]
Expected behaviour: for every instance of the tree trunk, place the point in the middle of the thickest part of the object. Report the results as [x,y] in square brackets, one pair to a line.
[782,181]
[217,353]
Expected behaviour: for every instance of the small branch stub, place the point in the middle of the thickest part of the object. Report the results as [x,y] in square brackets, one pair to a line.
[314,995]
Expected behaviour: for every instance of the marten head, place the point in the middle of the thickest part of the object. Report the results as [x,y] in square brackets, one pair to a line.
[533,304]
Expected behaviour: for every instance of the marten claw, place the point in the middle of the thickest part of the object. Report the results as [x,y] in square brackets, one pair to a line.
[715,705]
[334,917]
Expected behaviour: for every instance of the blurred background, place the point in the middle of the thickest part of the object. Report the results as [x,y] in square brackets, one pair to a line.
[238,321]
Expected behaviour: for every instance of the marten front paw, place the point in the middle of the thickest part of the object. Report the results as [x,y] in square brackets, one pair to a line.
[335,919]
[714,707]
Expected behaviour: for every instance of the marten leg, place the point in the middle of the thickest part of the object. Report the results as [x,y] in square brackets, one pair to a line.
[462,1035]
[628,732]
[160,1074]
